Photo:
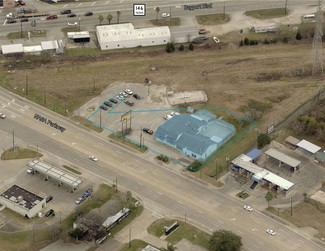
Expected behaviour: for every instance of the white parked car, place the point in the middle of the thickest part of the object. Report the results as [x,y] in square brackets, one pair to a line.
[168,117]
[123,94]
[93,158]
[270,231]
[248,208]
[165,15]
[174,114]
[30,170]
[128,91]
[79,200]
[2,115]
[215,39]
[9,15]
[73,23]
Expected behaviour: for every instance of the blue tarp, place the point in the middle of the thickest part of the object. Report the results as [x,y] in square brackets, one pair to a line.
[253,154]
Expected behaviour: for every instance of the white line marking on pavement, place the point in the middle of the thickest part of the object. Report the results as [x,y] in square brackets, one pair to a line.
[53,134]
[22,109]
[121,1]
[73,143]
[179,202]
[93,3]
[177,7]
[157,214]
[26,106]
[79,4]
[107,2]
[4,23]
[159,193]
[65,5]
[233,219]
[13,116]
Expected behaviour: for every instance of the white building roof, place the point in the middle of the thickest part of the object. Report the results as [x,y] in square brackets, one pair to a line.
[12,48]
[283,157]
[310,147]
[79,33]
[292,140]
[34,48]
[51,45]
[262,173]
[122,32]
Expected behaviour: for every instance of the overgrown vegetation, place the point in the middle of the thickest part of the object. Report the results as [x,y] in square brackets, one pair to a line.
[24,34]
[267,13]
[163,158]
[255,109]
[263,139]
[122,139]
[71,169]
[311,123]
[175,21]
[243,195]
[213,19]
[225,240]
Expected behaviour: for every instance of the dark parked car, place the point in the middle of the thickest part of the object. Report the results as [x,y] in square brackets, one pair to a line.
[103,107]
[11,21]
[50,213]
[24,19]
[88,13]
[130,103]
[65,12]
[136,96]
[113,100]
[48,198]
[147,130]
[108,103]
[71,15]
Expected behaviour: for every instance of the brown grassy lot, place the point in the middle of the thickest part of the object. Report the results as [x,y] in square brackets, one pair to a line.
[267,13]
[277,74]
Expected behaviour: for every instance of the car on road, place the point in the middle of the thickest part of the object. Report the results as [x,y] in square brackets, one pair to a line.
[174,114]
[113,100]
[65,12]
[128,91]
[79,200]
[24,19]
[204,37]
[51,17]
[270,231]
[50,213]
[103,107]
[248,208]
[2,115]
[71,15]
[136,96]
[93,158]
[72,23]
[215,39]
[168,117]
[147,130]
[88,13]
[130,103]
[107,103]
[165,15]
[48,198]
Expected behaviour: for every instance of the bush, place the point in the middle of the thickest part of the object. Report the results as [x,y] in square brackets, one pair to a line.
[285,40]
[274,40]
[298,36]
[163,158]
[241,43]
[266,41]
[191,47]
[181,47]
[246,41]
[263,139]
[170,47]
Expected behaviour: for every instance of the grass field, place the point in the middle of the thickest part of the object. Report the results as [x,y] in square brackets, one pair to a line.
[267,13]
[175,21]
[24,34]
[212,19]
[20,153]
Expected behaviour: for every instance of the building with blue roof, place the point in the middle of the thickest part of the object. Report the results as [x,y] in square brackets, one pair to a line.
[195,135]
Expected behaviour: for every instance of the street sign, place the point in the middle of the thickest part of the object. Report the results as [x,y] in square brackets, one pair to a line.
[139,9]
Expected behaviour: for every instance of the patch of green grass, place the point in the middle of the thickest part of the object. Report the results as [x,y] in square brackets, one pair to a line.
[166,22]
[71,169]
[24,34]
[267,13]
[135,245]
[119,137]
[243,195]
[212,19]
[185,230]
[86,123]
[20,153]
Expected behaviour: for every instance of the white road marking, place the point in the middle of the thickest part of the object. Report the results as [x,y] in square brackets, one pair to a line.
[233,219]
[79,4]
[13,116]
[177,7]
[159,193]
[73,143]
[65,5]
[93,3]
[53,134]
[22,109]
[179,202]
[121,1]
[157,214]
[26,106]
[107,2]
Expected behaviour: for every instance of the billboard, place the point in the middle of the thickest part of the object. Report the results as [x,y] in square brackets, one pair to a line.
[126,116]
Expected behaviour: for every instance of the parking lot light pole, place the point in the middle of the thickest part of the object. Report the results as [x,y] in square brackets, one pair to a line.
[79,23]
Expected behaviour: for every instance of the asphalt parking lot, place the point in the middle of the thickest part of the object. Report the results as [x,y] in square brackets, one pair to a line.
[148,112]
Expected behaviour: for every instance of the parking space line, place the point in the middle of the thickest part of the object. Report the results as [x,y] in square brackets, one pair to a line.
[107,2]
[93,3]
[65,5]
[79,4]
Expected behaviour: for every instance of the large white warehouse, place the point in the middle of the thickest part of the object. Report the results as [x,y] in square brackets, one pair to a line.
[126,36]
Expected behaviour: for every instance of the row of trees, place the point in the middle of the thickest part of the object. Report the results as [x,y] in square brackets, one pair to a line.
[109,18]
[170,47]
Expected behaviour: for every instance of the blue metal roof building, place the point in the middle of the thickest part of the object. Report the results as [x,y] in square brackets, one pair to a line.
[196,135]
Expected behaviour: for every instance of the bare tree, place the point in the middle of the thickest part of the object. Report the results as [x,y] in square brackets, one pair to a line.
[118,13]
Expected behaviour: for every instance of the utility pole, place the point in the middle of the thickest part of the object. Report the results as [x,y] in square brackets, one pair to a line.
[26,84]
[317,42]
[141,137]
[13,140]
[115,185]
[291,205]
[285,7]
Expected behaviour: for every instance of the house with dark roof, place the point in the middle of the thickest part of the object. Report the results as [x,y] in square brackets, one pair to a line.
[196,135]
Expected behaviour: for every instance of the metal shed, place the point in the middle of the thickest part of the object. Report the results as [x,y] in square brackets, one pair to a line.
[308,146]
[12,49]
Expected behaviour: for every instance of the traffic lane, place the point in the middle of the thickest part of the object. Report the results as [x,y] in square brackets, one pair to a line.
[143,191]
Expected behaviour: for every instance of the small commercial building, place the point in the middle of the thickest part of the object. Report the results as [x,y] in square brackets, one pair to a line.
[195,135]
[265,28]
[292,142]
[126,36]
[33,50]
[22,201]
[283,158]
[12,49]
[54,45]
